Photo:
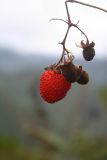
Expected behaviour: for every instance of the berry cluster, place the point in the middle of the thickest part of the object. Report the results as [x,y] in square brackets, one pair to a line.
[57,79]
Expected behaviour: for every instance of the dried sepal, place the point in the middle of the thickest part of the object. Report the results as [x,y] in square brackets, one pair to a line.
[50,67]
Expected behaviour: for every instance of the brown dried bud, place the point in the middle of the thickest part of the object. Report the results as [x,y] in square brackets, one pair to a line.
[70,71]
[88,50]
[84,78]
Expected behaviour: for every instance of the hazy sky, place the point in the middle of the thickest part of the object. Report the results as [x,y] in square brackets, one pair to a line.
[25,26]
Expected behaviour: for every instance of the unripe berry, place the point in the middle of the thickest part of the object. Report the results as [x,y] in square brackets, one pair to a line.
[88,50]
[84,78]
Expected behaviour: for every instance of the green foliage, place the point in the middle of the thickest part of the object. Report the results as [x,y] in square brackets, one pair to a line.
[12,149]
[103,94]
[8,142]
[79,147]
[87,148]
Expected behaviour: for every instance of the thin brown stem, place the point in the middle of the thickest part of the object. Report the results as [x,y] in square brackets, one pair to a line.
[88,5]
[70,24]
[64,40]
[63,44]
[81,32]
[68,15]
[59,19]
[60,60]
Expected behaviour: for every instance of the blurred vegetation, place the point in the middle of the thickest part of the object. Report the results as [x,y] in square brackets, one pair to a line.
[103,94]
[12,149]
[31,129]
[88,148]
[79,147]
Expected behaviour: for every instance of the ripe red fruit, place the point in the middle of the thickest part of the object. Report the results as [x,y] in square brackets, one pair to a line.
[53,86]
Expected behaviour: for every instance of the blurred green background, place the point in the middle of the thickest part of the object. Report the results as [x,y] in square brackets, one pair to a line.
[74,128]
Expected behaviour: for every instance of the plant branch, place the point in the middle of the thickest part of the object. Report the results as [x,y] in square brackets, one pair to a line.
[70,24]
[64,40]
[88,5]
[68,15]
[59,19]
[74,25]
[65,37]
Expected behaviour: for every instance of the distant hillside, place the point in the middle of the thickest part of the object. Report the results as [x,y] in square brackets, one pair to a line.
[13,62]
[82,108]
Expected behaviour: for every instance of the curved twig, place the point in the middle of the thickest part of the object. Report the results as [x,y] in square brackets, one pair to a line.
[88,5]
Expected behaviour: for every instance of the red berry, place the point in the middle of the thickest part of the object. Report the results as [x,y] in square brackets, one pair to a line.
[53,86]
